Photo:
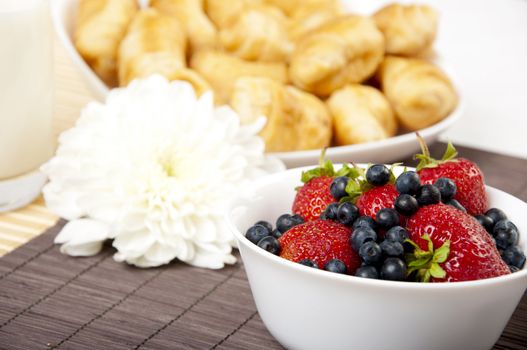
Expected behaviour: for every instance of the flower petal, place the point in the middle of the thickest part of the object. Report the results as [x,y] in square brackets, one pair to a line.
[134,243]
[212,261]
[82,237]
[86,249]
[63,203]
[82,231]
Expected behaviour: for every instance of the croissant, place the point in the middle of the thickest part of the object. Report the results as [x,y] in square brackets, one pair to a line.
[224,13]
[314,129]
[345,50]
[296,120]
[198,27]
[154,43]
[307,18]
[408,29]
[291,7]
[361,114]
[199,84]
[101,24]
[419,92]
[247,39]
[221,71]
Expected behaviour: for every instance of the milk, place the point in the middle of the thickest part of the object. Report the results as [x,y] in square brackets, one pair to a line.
[26,86]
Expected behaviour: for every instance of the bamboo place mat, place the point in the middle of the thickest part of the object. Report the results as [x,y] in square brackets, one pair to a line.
[49,300]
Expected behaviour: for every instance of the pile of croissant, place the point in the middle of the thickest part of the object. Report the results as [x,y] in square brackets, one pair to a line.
[321,77]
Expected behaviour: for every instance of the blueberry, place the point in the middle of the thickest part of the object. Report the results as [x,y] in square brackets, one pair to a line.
[390,248]
[427,195]
[393,269]
[406,204]
[347,213]
[362,235]
[378,175]
[276,234]
[297,219]
[446,187]
[514,256]
[256,233]
[496,215]
[408,183]
[308,263]
[454,203]
[335,265]
[370,252]
[396,234]
[387,218]
[331,212]
[506,234]
[367,271]
[365,221]
[485,221]
[265,224]
[286,221]
[513,269]
[270,244]
[338,187]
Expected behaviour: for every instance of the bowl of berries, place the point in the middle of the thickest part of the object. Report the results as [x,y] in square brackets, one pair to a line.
[383,256]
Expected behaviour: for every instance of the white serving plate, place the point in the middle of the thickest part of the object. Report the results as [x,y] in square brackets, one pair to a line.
[306,308]
[383,151]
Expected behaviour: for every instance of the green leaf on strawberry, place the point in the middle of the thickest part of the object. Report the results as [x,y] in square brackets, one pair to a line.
[392,175]
[450,152]
[326,168]
[425,263]
[426,161]
[348,171]
[358,184]
[353,189]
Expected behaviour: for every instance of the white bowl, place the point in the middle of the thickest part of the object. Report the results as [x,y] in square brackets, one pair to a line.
[306,308]
[397,147]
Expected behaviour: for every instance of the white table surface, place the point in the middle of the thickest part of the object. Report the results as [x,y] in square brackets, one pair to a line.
[485,43]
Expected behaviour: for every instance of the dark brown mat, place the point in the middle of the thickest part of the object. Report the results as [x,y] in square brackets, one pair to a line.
[49,300]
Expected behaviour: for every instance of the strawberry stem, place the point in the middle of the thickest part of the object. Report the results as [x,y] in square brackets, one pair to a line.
[423,145]
[426,161]
[322,157]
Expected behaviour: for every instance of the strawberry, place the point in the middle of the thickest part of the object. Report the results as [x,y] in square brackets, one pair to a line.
[376,198]
[467,176]
[451,246]
[369,198]
[319,241]
[314,196]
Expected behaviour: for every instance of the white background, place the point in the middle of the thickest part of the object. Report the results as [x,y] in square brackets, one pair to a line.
[485,44]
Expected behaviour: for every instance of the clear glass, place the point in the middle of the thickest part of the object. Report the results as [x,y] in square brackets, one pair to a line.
[26,99]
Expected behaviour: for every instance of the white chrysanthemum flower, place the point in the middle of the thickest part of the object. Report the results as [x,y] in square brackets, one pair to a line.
[153,169]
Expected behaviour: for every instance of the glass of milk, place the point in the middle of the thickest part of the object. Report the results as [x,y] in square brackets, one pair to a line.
[26,99]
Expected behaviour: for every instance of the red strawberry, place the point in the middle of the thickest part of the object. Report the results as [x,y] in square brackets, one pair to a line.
[452,246]
[313,198]
[467,176]
[319,241]
[376,198]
